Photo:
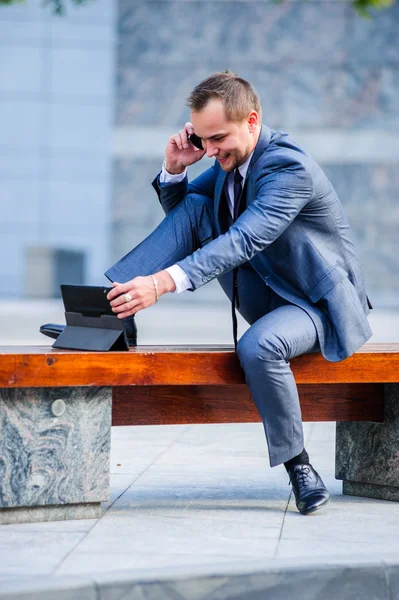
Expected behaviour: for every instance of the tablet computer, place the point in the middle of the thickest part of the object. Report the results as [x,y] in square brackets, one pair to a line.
[90,322]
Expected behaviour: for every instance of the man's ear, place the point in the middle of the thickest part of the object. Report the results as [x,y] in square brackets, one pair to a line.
[253,120]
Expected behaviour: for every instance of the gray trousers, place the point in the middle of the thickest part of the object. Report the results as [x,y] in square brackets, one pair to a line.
[279,330]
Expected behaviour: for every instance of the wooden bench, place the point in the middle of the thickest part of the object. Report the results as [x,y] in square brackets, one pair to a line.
[57,407]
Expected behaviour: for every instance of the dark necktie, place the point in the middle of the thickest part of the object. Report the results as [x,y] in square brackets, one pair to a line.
[235,300]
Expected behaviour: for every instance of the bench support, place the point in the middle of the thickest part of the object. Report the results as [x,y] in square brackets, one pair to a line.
[54,453]
[367,454]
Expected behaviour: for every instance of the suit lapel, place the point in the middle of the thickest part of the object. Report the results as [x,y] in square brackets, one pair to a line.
[263,142]
[220,204]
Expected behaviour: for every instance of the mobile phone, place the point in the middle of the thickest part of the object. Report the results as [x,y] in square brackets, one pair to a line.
[196,141]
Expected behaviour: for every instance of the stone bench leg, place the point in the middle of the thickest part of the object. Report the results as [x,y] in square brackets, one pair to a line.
[54,453]
[367,454]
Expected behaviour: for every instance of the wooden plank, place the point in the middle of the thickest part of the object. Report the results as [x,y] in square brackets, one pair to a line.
[157,405]
[180,365]
[17,350]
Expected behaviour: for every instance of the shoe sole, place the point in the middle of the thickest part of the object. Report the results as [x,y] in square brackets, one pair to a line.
[314,508]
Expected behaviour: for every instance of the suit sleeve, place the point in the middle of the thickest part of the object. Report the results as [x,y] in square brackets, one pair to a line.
[280,194]
[171,194]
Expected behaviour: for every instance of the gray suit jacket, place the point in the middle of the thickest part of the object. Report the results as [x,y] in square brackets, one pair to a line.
[293,232]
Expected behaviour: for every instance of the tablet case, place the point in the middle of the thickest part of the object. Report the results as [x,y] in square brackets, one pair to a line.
[90,322]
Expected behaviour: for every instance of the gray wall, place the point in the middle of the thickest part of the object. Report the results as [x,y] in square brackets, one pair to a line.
[56,122]
[325,75]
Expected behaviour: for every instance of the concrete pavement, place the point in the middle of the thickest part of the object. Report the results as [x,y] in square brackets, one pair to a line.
[196,512]
[197,503]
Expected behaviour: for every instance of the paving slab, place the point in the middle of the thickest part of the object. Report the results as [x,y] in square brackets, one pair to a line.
[46,588]
[208,500]
[279,582]
[254,580]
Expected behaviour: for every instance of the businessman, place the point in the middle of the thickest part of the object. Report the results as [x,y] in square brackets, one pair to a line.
[266,222]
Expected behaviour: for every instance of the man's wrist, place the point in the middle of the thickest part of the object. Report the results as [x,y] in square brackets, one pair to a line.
[173,169]
[165,282]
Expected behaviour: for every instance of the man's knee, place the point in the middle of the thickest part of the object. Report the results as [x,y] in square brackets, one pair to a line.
[257,346]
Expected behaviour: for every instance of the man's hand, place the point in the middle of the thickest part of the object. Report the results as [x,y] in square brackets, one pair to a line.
[142,292]
[180,153]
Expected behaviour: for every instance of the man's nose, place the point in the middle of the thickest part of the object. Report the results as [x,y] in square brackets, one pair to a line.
[211,150]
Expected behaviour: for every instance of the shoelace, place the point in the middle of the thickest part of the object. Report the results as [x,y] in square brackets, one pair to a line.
[301,476]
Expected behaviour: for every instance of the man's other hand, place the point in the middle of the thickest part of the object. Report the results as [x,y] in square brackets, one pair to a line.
[180,152]
[142,292]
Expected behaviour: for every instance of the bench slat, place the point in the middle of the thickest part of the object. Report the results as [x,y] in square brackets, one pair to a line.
[158,405]
[179,365]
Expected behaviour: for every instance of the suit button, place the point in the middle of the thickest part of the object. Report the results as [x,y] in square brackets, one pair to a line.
[205,279]
[217,271]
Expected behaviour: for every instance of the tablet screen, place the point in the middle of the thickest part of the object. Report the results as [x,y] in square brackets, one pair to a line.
[90,301]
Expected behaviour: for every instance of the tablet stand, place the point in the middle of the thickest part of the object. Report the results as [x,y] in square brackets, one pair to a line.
[85,332]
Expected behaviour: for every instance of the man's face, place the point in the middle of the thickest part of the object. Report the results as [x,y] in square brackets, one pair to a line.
[229,142]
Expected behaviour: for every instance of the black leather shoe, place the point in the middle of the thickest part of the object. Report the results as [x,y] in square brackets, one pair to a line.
[52,330]
[310,492]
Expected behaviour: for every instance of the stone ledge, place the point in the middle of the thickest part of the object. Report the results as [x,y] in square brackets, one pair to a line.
[58,512]
[335,578]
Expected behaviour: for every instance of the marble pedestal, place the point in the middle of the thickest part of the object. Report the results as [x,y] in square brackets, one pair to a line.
[54,453]
[367,454]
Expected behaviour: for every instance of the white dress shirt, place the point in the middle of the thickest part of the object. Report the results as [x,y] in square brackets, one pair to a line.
[179,276]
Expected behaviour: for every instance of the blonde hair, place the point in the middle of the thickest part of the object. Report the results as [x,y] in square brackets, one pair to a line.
[239,97]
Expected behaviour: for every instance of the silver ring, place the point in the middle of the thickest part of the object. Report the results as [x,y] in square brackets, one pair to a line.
[128,297]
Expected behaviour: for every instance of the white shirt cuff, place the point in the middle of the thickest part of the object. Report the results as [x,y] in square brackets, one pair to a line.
[180,278]
[166,177]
